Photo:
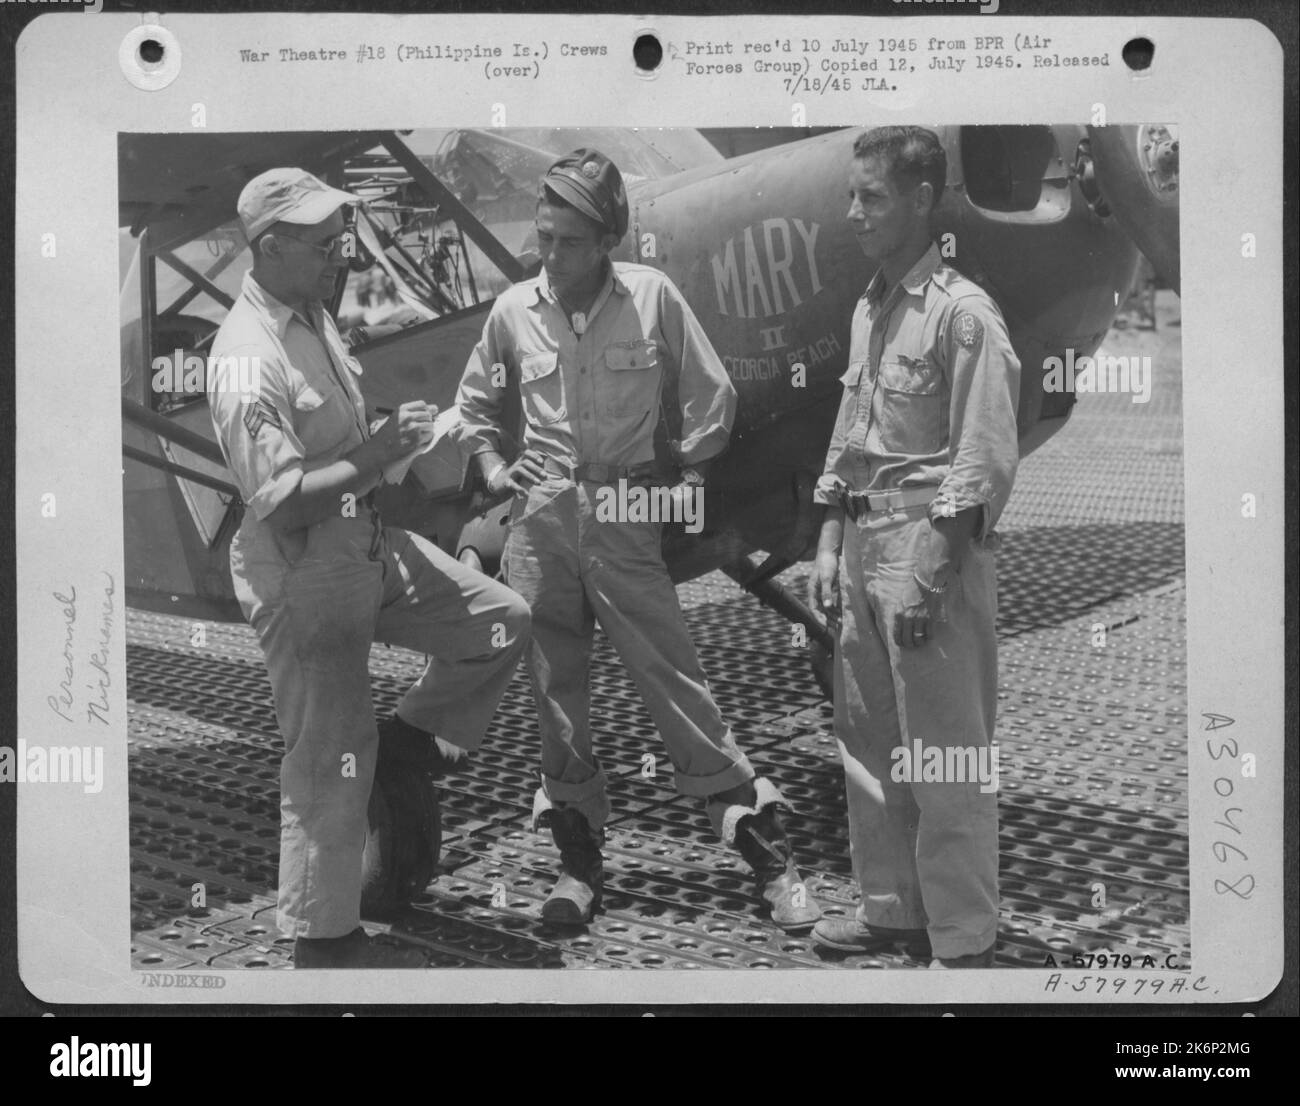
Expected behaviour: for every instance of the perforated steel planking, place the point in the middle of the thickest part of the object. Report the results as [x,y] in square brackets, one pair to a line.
[1093,784]
[1091,741]
[1092,791]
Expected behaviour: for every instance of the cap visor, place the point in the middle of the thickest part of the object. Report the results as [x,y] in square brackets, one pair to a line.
[570,193]
[318,207]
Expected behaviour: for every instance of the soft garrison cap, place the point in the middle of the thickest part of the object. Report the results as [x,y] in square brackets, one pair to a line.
[288,196]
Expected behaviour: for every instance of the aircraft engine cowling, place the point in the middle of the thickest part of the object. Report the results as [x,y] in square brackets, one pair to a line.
[484,538]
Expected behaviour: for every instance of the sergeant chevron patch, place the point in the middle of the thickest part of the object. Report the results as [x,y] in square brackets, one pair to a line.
[260,413]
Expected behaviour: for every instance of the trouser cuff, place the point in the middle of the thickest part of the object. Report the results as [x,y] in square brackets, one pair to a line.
[725,817]
[890,915]
[295,927]
[588,797]
[701,787]
[948,946]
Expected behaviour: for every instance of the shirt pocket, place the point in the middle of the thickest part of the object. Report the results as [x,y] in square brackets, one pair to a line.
[541,388]
[913,407]
[322,418]
[632,380]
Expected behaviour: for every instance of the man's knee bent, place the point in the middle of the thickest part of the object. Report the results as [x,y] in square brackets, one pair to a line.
[512,621]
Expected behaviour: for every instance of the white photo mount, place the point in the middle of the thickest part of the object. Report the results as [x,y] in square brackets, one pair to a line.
[333,73]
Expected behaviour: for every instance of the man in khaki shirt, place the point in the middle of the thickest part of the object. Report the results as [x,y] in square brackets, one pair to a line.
[919,468]
[320,577]
[591,345]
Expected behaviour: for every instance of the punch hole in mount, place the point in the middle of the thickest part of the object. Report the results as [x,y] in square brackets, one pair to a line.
[647,53]
[150,56]
[1137,54]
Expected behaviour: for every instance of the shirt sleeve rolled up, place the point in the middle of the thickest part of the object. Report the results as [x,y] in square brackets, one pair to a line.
[983,444]
[482,392]
[255,430]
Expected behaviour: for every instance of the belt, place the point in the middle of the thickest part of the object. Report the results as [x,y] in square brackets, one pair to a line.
[857,504]
[600,474]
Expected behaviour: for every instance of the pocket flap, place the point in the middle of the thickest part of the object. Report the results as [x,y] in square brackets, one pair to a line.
[915,376]
[309,399]
[632,355]
[537,365]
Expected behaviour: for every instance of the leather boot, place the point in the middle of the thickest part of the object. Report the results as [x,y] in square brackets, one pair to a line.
[760,839]
[576,895]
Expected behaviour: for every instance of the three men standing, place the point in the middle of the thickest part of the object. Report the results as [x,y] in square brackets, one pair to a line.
[594,348]
[919,469]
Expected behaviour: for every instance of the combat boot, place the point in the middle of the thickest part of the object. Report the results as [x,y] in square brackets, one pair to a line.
[759,837]
[576,895]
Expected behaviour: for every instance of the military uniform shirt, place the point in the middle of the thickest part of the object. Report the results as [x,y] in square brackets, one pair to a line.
[930,395]
[305,410]
[594,397]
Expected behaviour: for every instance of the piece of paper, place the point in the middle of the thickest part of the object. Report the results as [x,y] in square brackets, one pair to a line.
[443,424]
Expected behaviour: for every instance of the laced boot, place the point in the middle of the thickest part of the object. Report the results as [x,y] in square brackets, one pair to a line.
[576,895]
[760,839]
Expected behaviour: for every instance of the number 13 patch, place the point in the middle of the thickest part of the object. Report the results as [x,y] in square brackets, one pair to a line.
[968,329]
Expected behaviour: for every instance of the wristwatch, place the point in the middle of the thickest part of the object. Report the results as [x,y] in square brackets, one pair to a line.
[692,478]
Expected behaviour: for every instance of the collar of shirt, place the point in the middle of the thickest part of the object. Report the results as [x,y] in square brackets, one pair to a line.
[913,282]
[546,294]
[276,312]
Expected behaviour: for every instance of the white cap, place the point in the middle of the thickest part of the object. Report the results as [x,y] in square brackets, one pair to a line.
[288,196]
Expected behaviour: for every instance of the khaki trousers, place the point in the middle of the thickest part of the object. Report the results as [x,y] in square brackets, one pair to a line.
[925,852]
[316,618]
[575,570]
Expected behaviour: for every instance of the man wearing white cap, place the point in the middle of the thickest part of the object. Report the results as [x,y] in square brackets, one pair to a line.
[319,577]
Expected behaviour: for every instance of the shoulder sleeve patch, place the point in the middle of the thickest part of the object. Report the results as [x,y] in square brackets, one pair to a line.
[260,413]
[967,329]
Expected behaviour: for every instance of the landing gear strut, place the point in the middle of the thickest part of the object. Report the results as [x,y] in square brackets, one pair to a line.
[760,581]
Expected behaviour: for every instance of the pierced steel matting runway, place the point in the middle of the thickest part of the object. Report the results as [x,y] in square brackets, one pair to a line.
[1092,747]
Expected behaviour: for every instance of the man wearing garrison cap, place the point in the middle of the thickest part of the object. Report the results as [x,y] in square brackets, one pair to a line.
[320,577]
[594,347]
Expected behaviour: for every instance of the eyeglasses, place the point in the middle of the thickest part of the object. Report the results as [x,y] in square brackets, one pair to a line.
[327,247]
